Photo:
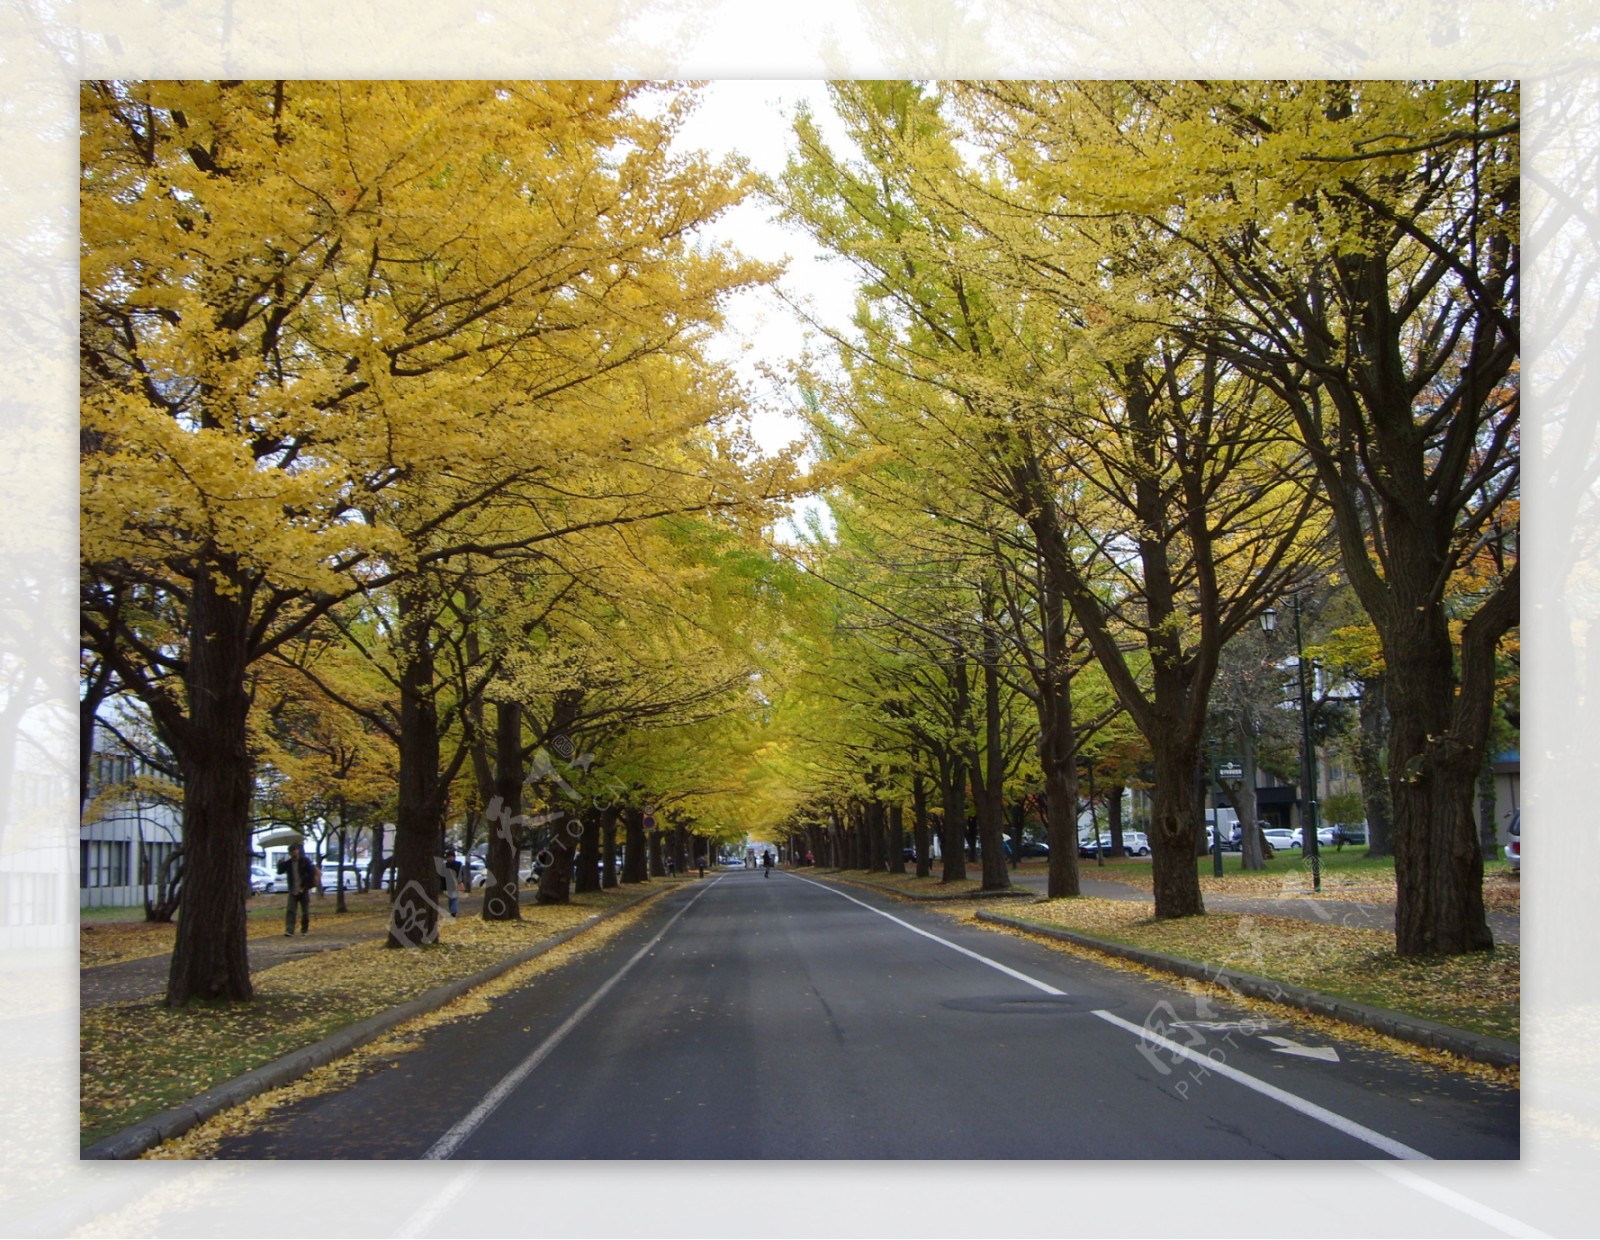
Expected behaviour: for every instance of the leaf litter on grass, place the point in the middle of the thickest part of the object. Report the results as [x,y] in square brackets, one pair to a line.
[141,1057]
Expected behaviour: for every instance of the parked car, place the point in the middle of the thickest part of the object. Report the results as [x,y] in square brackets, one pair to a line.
[1281,839]
[1035,848]
[1134,843]
[1349,833]
[1514,847]
[330,878]
[264,880]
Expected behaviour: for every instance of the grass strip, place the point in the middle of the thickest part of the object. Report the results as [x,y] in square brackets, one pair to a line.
[1480,992]
[140,1058]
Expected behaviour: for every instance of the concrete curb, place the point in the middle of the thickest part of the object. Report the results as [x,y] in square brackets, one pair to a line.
[1010,893]
[1414,1029]
[149,1133]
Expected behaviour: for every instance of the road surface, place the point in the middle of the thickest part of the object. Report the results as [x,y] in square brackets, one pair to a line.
[755,1017]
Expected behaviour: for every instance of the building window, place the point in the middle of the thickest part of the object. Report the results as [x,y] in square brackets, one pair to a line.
[154,861]
[103,863]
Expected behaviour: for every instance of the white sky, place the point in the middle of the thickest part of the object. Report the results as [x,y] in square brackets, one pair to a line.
[754,118]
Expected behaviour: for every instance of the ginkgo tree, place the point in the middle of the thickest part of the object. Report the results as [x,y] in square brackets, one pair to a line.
[308,306]
[1365,240]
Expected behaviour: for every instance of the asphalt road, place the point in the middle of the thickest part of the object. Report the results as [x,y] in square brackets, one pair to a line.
[778,1018]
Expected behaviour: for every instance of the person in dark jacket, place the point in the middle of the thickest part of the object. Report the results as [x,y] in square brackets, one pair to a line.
[302,876]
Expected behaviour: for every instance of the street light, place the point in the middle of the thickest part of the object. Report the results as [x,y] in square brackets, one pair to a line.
[1308,826]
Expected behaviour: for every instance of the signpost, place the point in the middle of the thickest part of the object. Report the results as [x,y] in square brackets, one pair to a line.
[1227,768]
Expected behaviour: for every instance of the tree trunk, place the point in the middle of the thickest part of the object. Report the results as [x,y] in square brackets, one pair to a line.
[608,848]
[414,913]
[952,843]
[873,821]
[897,838]
[635,868]
[991,778]
[502,897]
[555,880]
[1175,810]
[209,956]
[1372,742]
[1432,771]
[920,835]
[1488,838]
[589,849]
[658,865]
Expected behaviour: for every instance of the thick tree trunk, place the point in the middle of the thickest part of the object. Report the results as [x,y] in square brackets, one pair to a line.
[589,849]
[1488,836]
[502,897]
[1175,811]
[608,848]
[658,864]
[555,880]
[873,822]
[414,919]
[635,858]
[1432,770]
[209,956]
[897,839]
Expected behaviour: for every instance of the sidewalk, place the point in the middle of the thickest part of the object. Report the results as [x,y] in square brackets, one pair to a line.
[145,1133]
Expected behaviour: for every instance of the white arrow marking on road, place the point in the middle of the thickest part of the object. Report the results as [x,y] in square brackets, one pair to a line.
[1290,1047]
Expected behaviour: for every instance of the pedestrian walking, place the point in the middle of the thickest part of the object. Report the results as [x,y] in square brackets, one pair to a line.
[766,863]
[700,863]
[450,879]
[302,876]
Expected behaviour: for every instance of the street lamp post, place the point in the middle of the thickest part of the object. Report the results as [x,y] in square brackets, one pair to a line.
[1308,755]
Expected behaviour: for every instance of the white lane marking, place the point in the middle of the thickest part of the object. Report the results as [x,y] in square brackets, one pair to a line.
[447,1145]
[421,1223]
[955,947]
[1288,1046]
[1458,1201]
[1294,1102]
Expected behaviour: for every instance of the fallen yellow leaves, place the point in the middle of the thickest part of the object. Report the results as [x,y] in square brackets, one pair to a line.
[1480,992]
[202,1140]
[140,1058]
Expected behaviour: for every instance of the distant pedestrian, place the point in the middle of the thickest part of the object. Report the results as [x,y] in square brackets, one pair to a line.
[302,877]
[766,863]
[672,866]
[700,863]
[450,880]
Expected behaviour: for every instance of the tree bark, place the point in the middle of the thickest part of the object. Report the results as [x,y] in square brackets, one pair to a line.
[1175,810]
[1433,766]
[588,876]
[414,912]
[873,821]
[502,900]
[635,859]
[897,839]
[608,848]
[209,955]
[990,777]
[920,835]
